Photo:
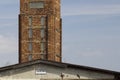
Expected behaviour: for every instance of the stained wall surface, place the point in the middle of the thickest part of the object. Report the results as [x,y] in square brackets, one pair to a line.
[49,72]
[40,30]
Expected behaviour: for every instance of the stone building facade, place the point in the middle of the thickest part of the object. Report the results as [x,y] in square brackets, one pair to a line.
[40,30]
[49,70]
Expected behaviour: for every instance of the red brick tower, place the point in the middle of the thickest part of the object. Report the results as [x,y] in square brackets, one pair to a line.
[40,30]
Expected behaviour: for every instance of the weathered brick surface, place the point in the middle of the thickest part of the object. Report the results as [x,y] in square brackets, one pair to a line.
[52,38]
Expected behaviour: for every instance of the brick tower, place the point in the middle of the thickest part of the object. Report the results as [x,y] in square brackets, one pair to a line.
[39,30]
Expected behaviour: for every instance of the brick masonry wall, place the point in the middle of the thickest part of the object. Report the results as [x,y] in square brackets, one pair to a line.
[53,31]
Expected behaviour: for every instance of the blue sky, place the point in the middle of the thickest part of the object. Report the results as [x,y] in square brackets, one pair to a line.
[91,32]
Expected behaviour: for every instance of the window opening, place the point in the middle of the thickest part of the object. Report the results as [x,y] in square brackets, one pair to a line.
[30,46]
[30,32]
[30,57]
[42,21]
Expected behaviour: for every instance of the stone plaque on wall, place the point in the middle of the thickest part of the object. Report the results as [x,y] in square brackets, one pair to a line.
[37,4]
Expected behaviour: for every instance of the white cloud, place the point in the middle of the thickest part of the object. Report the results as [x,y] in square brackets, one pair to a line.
[90,10]
[8,44]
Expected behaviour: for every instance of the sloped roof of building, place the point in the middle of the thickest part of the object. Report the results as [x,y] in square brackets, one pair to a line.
[58,64]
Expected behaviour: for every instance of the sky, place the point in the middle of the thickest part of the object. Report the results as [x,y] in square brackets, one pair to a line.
[91,32]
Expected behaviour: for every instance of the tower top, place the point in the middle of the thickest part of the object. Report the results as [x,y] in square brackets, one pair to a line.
[39,6]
